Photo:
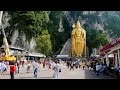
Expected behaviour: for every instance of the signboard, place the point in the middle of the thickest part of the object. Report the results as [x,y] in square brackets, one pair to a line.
[110,45]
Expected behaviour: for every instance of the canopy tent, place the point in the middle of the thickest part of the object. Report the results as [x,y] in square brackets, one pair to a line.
[30,54]
[62,56]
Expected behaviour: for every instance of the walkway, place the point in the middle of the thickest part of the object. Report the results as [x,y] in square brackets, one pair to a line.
[45,73]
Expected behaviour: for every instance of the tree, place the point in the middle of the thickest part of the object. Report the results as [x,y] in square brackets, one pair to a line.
[33,23]
[29,22]
[95,39]
[101,39]
[90,38]
[44,43]
[56,36]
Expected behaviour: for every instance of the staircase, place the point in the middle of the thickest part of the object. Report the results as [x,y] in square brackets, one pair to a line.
[66,48]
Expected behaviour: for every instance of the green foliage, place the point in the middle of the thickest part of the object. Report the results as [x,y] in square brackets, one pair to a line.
[1,40]
[101,39]
[44,25]
[58,39]
[113,23]
[29,22]
[44,43]
[90,37]
[95,39]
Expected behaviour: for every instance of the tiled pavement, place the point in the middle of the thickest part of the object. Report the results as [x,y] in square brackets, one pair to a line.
[45,73]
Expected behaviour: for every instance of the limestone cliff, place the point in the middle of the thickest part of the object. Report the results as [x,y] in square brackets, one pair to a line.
[16,38]
[108,21]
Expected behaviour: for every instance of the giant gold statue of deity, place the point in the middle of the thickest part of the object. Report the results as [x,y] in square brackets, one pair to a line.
[78,40]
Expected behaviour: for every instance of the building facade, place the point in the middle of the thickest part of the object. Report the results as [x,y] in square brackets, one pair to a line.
[111,50]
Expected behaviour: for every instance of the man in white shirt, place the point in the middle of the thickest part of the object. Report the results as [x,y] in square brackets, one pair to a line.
[57,70]
[33,64]
[36,66]
[3,67]
[97,69]
[0,68]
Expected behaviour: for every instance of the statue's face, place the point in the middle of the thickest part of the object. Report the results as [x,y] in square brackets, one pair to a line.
[78,24]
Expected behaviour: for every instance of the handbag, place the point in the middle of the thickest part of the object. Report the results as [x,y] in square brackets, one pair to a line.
[60,70]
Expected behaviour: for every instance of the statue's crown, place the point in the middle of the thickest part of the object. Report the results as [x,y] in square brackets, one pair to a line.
[73,25]
[78,23]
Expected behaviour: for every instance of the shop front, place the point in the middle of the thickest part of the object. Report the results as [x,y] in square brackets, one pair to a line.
[111,54]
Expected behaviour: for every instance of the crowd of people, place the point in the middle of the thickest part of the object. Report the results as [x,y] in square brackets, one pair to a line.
[14,67]
[54,65]
[92,65]
[77,64]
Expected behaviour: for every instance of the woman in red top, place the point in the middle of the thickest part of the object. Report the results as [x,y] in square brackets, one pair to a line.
[12,70]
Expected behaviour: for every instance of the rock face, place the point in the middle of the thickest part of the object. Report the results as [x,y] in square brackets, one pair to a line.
[19,40]
[32,44]
[61,28]
[92,19]
[89,19]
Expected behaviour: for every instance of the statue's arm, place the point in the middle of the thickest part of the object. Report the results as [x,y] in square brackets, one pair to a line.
[85,43]
[84,34]
[73,33]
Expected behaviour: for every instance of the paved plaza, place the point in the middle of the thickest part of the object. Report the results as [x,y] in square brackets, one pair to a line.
[45,73]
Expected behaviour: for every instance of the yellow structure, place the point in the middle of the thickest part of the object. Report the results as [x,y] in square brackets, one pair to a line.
[7,55]
[78,40]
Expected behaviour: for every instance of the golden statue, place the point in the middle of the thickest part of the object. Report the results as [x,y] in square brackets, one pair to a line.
[73,40]
[78,40]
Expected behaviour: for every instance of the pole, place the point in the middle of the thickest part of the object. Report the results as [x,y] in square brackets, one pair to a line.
[118,57]
[5,42]
[1,13]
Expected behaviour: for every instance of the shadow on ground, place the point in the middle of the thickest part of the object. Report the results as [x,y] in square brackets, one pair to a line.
[91,75]
[34,78]
[46,77]
[26,77]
